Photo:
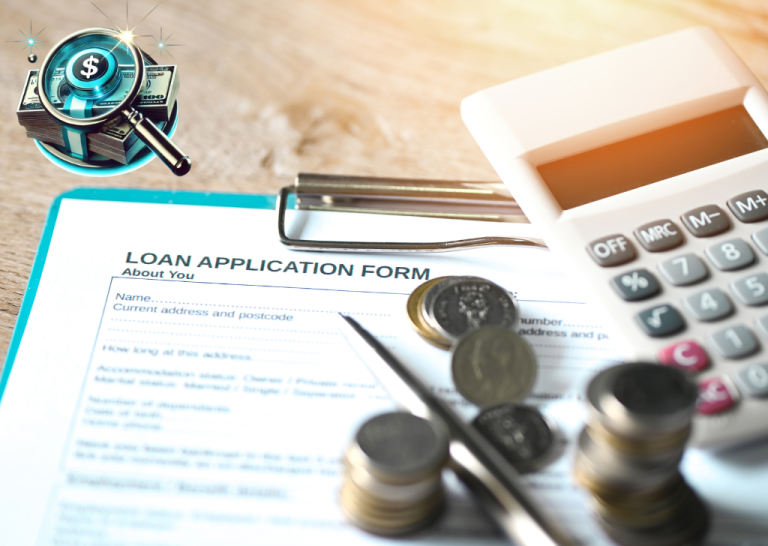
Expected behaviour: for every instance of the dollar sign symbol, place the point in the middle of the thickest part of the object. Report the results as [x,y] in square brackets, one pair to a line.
[89,64]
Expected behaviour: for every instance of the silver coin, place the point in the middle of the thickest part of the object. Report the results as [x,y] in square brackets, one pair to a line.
[468,304]
[436,289]
[524,436]
[492,366]
[399,447]
[642,399]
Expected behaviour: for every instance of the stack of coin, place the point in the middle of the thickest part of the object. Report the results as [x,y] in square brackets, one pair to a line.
[443,309]
[393,479]
[629,453]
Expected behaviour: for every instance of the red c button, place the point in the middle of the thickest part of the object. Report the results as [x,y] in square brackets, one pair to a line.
[686,355]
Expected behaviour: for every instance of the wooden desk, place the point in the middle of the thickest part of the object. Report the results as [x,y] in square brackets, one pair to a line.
[273,87]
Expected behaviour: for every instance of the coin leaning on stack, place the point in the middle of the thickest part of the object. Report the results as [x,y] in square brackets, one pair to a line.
[393,477]
[493,365]
[442,310]
[629,452]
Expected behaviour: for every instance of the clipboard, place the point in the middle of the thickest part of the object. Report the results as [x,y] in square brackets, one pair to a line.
[206,200]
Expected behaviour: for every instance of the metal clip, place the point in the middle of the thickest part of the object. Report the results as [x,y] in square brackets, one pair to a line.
[430,198]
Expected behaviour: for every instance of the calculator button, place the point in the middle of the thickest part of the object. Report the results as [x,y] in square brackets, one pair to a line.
[730,255]
[636,285]
[686,355]
[714,396]
[761,240]
[660,321]
[612,250]
[706,221]
[752,290]
[753,379]
[708,305]
[734,342]
[659,235]
[762,325]
[684,270]
[750,207]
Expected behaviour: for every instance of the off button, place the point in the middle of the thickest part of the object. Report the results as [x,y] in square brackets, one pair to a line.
[611,250]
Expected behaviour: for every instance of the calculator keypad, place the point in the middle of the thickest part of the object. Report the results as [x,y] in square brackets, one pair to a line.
[661,321]
[711,281]
[709,305]
[761,240]
[753,380]
[734,342]
[706,221]
[730,255]
[684,270]
[636,285]
[750,207]
[612,250]
[715,396]
[686,355]
[752,290]
[659,235]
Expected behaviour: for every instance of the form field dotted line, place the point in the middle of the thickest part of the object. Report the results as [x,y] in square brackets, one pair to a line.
[227,347]
[223,326]
[580,358]
[271,308]
[233,337]
[572,347]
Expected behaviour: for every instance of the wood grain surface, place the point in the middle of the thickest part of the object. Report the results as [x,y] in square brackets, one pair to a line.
[368,87]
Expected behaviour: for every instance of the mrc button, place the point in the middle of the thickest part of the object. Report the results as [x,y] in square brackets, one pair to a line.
[750,207]
[611,250]
[659,235]
[706,221]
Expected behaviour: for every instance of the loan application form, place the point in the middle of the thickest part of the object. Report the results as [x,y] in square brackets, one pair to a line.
[180,380]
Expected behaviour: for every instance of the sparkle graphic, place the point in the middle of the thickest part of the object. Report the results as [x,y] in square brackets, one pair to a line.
[126,34]
[163,44]
[29,41]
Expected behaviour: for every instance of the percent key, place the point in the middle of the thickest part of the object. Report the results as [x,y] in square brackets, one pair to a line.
[635,285]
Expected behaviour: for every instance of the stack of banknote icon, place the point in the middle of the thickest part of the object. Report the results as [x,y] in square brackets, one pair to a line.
[117,142]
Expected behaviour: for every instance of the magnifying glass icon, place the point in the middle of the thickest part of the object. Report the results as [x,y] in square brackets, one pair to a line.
[88,83]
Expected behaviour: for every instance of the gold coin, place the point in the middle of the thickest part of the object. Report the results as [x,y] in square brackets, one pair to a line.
[640,446]
[376,507]
[388,523]
[589,478]
[643,516]
[636,501]
[389,494]
[417,320]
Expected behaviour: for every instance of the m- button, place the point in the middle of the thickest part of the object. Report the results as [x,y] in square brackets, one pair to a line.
[750,207]
[706,221]
[659,235]
[611,250]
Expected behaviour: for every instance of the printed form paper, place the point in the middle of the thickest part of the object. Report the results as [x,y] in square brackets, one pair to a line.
[181,381]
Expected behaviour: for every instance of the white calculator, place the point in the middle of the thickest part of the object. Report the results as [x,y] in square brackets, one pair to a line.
[647,168]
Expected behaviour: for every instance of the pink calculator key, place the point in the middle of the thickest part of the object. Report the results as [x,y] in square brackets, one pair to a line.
[686,355]
[714,396]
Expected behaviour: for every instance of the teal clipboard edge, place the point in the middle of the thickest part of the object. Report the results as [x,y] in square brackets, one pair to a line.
[168,197]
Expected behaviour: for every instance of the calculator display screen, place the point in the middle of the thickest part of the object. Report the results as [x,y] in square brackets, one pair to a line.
[651,157]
